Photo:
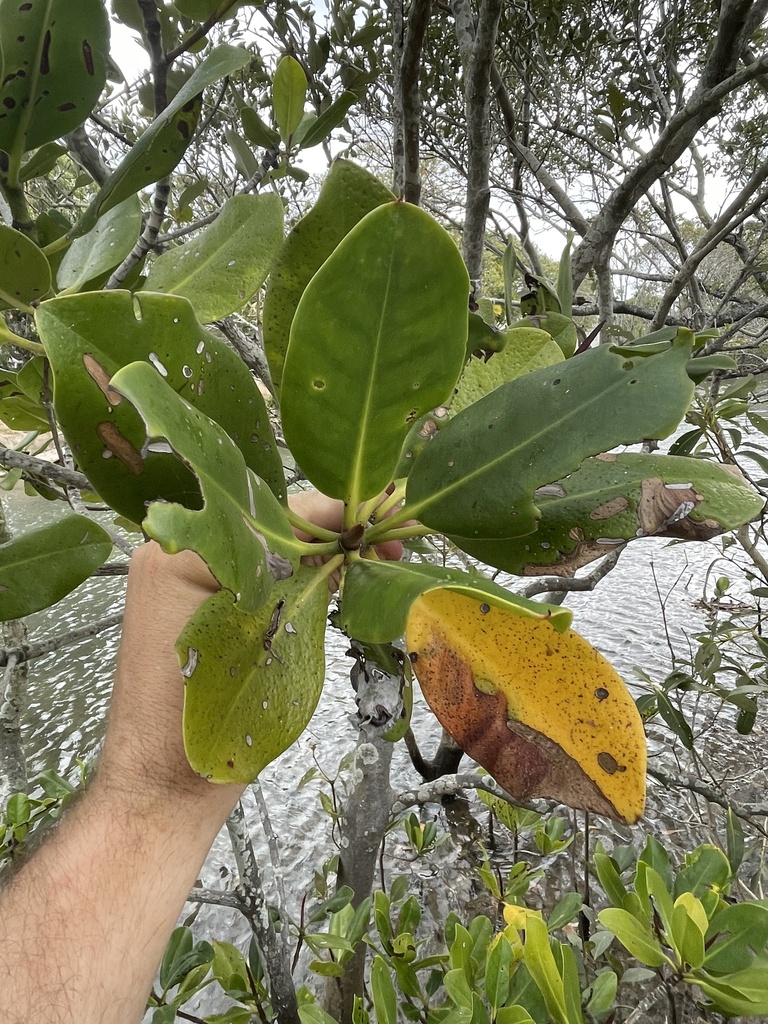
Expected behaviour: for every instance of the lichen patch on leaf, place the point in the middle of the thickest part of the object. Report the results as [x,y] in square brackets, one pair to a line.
[543,711]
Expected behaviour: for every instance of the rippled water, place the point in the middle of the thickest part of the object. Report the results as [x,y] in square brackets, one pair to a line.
[649,601]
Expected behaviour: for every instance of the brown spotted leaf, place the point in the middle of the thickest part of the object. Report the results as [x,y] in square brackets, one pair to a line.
[542,711]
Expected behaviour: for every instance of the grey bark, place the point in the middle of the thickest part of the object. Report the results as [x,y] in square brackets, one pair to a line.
[253,904]
[477,43]
[366,816]
[408,40]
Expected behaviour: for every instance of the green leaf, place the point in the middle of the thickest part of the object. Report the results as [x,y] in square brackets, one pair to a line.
[609,878]
[228,963]
[706,868]
[377,597]
[734,833]
[18,810]
[565,910]
[377,340]
[241,532]
[25,275]
[509,267]
[253,680]
[325,123]
[289,90]
[159,149]
[688,927]
[560,328]
[497,972]
[347,195]
[257,131]
[479,474]
[457,987]
[736,934]
[634,935]
[246,163]
[541,964]
[89,337]
[615,498]
[104,247]
[41,162]
[311,1013]
[53,56]
[525,349]
[743,993]
[565,279]
[383,993]
[40,567]
[700,368]
[513,1015]
[603,994]
[220,269]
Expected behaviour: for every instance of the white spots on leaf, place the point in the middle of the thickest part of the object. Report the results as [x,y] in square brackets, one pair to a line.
[154,358]
[175,319]
[186,371]
[232,263]
[200,347]
[248,740]
[200,386]
[678,487]
[264,705]
[191,663]
[106,454]
[289,627]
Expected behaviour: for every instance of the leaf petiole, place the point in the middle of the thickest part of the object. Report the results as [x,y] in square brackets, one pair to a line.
[396,533]
[311,529]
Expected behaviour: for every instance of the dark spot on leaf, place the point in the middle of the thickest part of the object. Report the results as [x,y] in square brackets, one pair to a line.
[601,693]
[25,7]
[484,609]
[120,447]
[318,385]
[190,105]
[609,763]
[19,39]
[627,365]
[45,65]
[3,161]
[413,657]
[88,57]
[555,382]
[9,102]
[230,764]
[65,106]
[183,128]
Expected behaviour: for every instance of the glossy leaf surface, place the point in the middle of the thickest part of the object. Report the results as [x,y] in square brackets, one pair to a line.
[560,328]
[478,476]
[378,339]
[616,498]
[104,247]
[53,57]
[241,532]
[289,89]
[347,195]
[89,337]
[40,567]
[377,597]
[25,275]
[541,710]
[158,150]
[525,349]
[219,270]
[253,681]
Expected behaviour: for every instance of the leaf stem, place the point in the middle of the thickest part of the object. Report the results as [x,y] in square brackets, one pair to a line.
[309,548]
[384,527]
[57,245]
[402,533]
[390,501]
[312,529]
[7,337]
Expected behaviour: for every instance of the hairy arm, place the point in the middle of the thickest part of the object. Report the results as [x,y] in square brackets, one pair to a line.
[85,922]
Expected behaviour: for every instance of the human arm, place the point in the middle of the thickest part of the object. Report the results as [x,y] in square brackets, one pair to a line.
[84,923]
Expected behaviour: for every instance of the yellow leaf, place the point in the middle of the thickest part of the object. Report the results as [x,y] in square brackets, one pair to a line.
[518,916]
[543,711]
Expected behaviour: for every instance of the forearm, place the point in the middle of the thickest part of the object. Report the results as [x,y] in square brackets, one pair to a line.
[86,921]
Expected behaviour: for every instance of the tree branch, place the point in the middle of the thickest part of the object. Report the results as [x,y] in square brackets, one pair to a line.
[477,45]
[451,785]
[39,469]
[30,651]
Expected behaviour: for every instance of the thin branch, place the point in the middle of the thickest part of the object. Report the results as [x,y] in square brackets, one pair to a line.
[570,584]
[30,651]
[39,469]
[450,785]
[677,780]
